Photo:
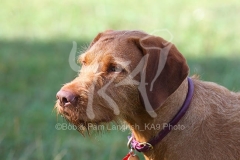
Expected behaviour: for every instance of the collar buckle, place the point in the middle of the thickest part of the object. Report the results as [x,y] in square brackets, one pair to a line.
[145,144]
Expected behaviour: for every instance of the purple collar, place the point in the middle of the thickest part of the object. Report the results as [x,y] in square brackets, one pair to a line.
[145,146]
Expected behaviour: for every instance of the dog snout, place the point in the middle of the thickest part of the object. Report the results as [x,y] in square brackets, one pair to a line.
[66,98]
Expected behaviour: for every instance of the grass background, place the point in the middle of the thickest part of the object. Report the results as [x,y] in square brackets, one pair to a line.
[35,42]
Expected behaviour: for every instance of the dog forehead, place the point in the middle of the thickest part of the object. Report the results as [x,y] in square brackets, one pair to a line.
[98,55]
[107,47]
[114,45]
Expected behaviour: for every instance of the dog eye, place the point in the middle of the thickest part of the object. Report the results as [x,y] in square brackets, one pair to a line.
[115,69]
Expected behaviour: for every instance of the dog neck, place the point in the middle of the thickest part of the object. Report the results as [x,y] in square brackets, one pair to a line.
[146,127]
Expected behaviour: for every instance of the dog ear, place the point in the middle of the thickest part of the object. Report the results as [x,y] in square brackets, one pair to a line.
[165,69]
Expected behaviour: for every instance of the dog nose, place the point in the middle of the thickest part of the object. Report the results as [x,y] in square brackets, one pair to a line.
[66,97]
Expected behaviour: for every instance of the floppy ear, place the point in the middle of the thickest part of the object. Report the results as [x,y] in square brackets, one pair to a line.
[165,69]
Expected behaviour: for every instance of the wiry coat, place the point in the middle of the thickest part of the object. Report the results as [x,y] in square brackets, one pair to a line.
[108,89]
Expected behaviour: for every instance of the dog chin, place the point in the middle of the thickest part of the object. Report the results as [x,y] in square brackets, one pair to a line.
[81,121]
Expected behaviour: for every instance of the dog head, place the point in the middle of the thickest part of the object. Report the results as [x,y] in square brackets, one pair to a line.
[123,74]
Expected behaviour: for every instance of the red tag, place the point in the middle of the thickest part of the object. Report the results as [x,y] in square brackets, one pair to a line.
[127,156]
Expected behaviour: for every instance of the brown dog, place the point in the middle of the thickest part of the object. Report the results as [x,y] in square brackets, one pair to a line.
[142,80]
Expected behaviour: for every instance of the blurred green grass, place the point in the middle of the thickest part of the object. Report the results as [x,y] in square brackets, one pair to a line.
[35,42]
